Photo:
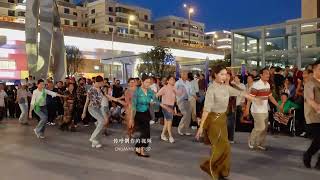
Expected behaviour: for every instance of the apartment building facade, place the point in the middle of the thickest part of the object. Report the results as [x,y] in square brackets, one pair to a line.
[219,40]
[176,29]
[110,16]
[70,14]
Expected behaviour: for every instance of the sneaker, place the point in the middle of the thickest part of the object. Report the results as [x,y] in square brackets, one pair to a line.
[194,127]
[96,144]
[48,123]
[36,133]
[86,125]
[250,145]
[188,134]
[152,122]
[171,140]
[262,148]
[41,137]
[303,134]
[231,142]
[164,138]
[53,124]
[180,133]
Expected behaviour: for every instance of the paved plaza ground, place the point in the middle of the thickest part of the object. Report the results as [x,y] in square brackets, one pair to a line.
[69,156]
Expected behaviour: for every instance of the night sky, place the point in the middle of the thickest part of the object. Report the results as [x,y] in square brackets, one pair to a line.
[226,14]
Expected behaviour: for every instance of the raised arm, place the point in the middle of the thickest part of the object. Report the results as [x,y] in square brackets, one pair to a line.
[84,112]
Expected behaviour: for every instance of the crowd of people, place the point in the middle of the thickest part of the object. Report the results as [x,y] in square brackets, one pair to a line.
[281,100]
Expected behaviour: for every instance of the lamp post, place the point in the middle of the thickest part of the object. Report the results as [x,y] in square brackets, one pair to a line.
[130,18]
[190,11]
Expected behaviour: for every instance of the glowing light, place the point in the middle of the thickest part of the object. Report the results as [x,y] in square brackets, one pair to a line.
[132,18]
[191,10]
[224,39]
[21,7]
[91,45]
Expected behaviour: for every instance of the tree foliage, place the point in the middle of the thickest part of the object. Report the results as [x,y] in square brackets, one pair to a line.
[157,62]
[74,59]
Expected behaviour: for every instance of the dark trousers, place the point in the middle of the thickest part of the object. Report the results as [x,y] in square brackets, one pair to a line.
[52,112]
[315,133]
[2,113]
[142,127]
[231,125]
[11,107]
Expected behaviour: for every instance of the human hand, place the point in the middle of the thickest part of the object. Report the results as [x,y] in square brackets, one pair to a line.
[199,133]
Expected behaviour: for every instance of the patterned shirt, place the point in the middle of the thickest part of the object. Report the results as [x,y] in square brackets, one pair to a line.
[81,94]
[261,90]
[95,97]
[141,101]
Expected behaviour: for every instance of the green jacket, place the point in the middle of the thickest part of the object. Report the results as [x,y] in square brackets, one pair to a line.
[288,105]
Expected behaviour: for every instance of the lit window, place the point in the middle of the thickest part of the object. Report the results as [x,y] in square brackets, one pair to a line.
[96,68]
[8,65]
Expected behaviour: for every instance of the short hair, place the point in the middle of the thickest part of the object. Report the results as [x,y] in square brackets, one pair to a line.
[169,77]
[145,77]
[216,69]
[262,70]
[317,62]
[131,79]
[99,78]
[190,76]
[40,81]
[278,69]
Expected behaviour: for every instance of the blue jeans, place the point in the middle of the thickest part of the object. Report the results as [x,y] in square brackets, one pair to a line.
[43,115]
[24,113]
[98,115]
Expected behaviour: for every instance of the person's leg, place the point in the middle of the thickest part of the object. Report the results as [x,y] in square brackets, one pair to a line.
[164,129]
[186,117]
[169,127]
[97,114]
[24,112]
[264,132]
[258,128]
[193,109]
[231,126]
[315,145]
[2,109]
[43,115]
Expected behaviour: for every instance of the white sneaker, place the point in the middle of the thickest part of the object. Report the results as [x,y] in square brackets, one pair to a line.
[194,127]
[262,148]
[231,142]
[36,133]
[188,134]
[164,138]
[171,140]
[95,144]
[152,122]
[53,124]
[180,133]
[250,145]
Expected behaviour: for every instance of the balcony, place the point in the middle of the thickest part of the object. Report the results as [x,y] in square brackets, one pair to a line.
[7,5]
[68,16]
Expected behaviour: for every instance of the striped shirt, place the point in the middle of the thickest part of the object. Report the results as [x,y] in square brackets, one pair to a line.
[260,90]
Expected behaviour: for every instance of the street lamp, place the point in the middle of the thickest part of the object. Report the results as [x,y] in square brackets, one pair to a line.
[190,11]
[131,18]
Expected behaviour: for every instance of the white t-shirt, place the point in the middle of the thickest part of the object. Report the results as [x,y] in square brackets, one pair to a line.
[37,94]
[3,95]
[261,90]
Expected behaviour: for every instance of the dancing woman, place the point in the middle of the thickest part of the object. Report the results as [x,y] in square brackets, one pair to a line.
[93,103]
[128,95]
[142,98]
[39,105]
[213,124]
[168,93]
